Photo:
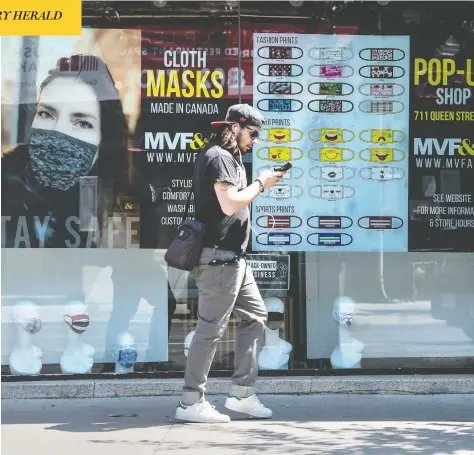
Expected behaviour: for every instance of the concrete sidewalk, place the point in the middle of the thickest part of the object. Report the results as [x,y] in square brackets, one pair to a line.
[304,425]
[104,388]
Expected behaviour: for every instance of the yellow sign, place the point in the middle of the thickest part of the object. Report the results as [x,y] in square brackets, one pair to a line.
[34,18]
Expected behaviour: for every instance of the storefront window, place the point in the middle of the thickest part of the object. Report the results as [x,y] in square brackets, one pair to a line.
[362,254]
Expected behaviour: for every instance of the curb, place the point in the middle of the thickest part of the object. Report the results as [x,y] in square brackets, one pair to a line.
[354,385]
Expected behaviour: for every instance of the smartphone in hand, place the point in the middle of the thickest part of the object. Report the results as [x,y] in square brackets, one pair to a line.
[284,168]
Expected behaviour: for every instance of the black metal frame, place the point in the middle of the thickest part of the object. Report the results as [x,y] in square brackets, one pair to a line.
[396,18]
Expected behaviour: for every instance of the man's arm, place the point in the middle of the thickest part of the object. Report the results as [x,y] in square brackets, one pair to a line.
[232,200]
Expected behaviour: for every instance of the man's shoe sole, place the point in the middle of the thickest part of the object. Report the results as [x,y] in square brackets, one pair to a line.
[184,419]
[228,405]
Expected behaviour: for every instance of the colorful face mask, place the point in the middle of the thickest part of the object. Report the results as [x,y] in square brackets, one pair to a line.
[381,107]
[330,53]
[78,323]
[280,70]
[330,88]
[380,54]
[331,135]
[278,238]
[332,173]
[280,88]
[127,357]
[279,153]
[383,136]
[281,135]
[382,174]
[380,223]
[382,72]
[344,319]
[329,239]
[58,160]
[382,155]
[279,221]
[32,325]
[331,154]
[332,192]
[330,71]
[280,52]
[382,90]
[331,106]
[280,105]
[330,222]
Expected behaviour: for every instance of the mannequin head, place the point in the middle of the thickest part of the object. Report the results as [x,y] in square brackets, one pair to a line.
[344,311]
[76,316]
[26,315]
[126,352]
[274,305]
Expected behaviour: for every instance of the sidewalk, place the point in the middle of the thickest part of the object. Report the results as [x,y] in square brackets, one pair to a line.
[303,425]
[104,388]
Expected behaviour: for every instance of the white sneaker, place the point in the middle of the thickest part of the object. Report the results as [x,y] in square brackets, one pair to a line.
[250,405]
[202,412]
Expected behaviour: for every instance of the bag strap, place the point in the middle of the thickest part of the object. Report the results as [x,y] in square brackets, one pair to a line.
[187,203]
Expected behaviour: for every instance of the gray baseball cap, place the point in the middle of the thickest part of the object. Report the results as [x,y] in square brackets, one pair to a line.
[243,114]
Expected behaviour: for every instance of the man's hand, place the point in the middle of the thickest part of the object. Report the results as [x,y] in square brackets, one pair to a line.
[270,178]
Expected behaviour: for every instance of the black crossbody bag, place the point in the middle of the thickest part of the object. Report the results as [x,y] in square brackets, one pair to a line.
[184,251]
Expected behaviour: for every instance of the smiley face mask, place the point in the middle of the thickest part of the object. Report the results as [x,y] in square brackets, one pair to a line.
[280,153]
[382,155]
[331,154]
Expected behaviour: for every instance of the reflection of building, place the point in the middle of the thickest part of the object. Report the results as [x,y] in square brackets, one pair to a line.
[413,309]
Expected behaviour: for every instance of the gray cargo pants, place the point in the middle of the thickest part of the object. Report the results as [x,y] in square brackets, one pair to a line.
[223,289]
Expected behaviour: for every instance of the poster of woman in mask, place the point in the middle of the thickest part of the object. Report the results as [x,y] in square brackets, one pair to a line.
[71,183]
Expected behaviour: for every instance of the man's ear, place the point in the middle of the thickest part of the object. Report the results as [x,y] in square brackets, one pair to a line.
[235,128]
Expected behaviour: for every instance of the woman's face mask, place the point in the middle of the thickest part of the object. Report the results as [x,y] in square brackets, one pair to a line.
[58,160]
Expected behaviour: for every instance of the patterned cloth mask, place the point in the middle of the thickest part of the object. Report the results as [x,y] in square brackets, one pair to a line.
[32,325]
[127,357]
[346,319]
[58,160]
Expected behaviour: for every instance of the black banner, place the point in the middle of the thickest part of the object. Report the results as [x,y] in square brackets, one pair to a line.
[441,209]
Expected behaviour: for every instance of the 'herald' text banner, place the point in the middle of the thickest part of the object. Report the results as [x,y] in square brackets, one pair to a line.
[45,18]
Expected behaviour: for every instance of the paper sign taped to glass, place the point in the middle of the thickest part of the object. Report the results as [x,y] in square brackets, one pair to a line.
[271,271]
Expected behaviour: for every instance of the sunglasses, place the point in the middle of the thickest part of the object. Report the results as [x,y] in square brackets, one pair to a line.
[253,133]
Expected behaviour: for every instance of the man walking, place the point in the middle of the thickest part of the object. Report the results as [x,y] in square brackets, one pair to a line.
[224,280]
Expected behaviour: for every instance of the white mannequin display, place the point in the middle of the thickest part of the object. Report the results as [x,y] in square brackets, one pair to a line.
[274,305]
[126,353]
[25,358]
[275,353]
[187,342]
[347,353]
[78,356]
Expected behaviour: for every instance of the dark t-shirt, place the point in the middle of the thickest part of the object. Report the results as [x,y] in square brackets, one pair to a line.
[226,232]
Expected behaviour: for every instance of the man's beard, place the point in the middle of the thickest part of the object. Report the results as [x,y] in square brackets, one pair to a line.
[243,148]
